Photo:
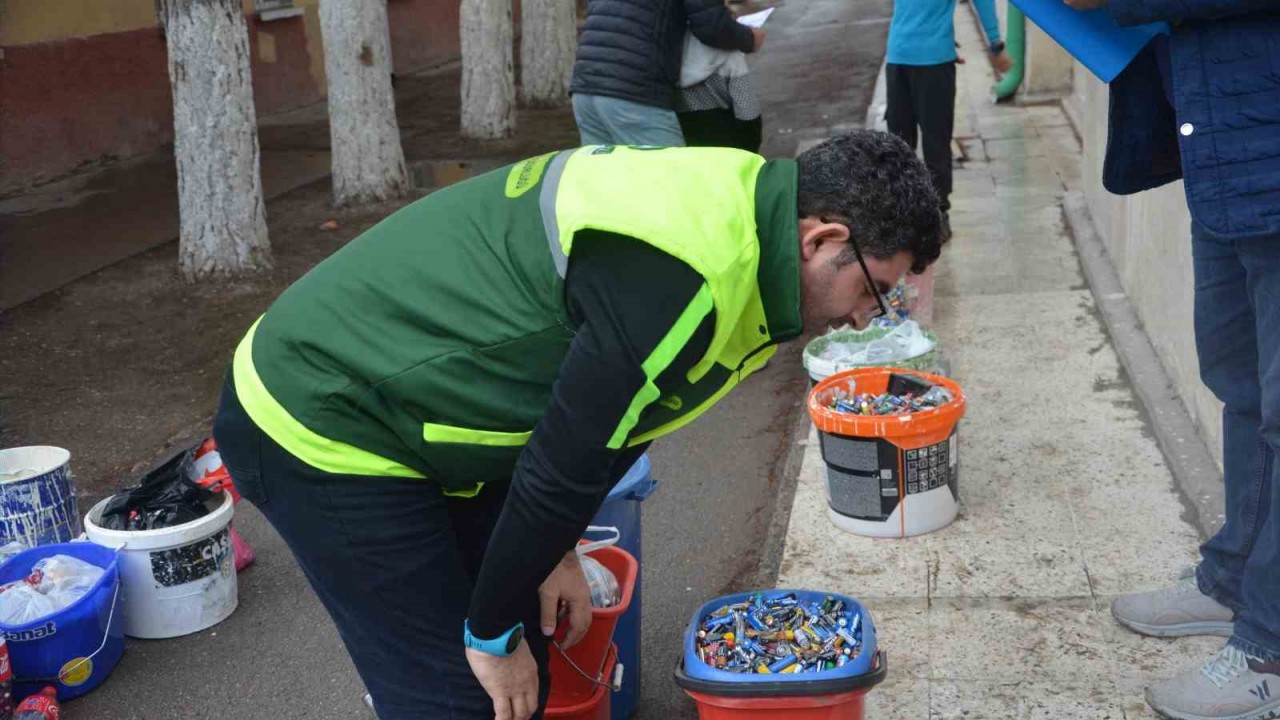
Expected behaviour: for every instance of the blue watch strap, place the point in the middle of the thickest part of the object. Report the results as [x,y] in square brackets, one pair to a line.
[501,646]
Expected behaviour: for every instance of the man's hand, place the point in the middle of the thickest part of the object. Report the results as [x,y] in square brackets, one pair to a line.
[566,587]
[1002,62]
[512,682]
[1085,4]
[760,35]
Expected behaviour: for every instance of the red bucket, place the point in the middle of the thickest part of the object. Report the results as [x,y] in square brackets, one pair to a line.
[596,707]
[569,687]
[842,699]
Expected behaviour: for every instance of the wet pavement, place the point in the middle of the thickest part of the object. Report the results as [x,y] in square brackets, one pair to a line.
[1066,499]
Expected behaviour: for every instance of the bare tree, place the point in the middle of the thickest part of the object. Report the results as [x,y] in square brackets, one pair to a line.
[368,162]
[223,226]
[548,44]
[488,76]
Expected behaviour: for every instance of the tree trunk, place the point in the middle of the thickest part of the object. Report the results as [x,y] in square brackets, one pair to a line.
[548,43]
[368,162]
[223,222]
[488,77]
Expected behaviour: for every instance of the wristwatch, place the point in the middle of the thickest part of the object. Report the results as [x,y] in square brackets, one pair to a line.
[997,47]
[502,646]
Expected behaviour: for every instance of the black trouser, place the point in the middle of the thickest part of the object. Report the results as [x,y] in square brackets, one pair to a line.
[720,128]
[924,97]
[393,561]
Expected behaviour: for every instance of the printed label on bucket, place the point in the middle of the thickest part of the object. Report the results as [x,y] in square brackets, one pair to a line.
[179,566]
[867,477]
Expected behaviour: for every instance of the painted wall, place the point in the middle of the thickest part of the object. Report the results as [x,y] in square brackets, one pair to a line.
[87,80]
[1149,239]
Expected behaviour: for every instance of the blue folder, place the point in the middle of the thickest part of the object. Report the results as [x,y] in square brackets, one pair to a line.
[1091,36]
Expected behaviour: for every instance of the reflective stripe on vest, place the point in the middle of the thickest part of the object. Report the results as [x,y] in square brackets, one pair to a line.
[321,453]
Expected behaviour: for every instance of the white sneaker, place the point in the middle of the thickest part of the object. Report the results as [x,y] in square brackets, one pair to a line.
[1174,612]
[1231,686]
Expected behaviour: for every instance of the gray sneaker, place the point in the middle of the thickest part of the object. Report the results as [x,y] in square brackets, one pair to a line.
[1231,686]
[1173,612]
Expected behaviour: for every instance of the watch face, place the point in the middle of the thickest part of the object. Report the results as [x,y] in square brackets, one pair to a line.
[513,640]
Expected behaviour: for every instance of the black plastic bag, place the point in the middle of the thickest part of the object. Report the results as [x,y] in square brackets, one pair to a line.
[166,497]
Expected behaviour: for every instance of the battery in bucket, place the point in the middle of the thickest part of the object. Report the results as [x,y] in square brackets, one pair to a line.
[889,475]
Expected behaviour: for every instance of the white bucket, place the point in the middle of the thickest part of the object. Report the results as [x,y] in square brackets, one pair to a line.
[176,580]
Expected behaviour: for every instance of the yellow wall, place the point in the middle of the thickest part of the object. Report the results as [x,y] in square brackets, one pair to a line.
[24,22]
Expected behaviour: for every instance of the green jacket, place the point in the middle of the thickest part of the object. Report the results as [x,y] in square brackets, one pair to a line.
[428,346]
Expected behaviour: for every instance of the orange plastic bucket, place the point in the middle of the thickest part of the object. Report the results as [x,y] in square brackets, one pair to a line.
[569,687]
[889,475]
[596,707]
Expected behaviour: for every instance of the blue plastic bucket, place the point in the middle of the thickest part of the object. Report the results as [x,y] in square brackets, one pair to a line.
[696,669]
[622,510]
[37,496]
[76,648]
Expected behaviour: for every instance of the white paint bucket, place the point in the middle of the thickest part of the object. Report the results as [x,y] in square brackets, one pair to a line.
[176,580]
[37,496]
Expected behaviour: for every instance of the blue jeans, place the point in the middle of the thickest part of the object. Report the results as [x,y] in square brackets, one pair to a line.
[1237,321]
[604,120]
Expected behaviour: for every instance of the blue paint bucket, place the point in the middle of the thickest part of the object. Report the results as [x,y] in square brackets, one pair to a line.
[77,647]
[37,496]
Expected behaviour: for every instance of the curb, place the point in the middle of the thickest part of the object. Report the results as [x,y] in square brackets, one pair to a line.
[1194,470]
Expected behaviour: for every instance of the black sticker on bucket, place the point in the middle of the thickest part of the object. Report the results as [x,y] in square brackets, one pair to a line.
[863,476]
[189,563]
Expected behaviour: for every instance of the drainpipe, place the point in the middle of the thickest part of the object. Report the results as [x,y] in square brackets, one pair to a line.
[1016,46]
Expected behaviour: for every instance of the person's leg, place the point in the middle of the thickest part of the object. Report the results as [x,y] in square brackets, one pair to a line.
[752,134]
[899,113]
[710,128]
[1258,627]
[933,92]
[591,127]
[1227,346]
[631,123]
[382,557]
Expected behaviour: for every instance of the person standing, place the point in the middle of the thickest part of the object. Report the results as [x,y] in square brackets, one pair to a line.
[1203,104]
[920,81]
[626,76]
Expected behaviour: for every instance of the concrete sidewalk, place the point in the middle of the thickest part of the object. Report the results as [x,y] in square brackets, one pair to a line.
[1066,497]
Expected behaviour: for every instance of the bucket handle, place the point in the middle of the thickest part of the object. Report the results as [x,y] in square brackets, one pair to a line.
[614,685]
[585,548]
[106,635]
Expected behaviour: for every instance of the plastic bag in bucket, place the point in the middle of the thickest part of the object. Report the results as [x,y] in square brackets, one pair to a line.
[77,647]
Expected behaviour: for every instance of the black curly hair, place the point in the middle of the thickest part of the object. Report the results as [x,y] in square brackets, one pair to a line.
[873,183]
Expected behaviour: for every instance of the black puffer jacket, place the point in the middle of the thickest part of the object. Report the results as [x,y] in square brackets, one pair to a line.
[631,49]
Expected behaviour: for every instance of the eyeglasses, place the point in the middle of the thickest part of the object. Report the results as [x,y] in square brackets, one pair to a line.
[881,309]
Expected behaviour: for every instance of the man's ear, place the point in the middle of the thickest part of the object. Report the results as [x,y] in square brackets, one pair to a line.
[815,234]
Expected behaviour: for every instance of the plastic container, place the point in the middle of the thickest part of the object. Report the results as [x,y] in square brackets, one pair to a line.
[77,647]
[568,686]
[820,369]
[837,694]
[596,707]
[177,580]
[894,475]
[622,509]
[37,496]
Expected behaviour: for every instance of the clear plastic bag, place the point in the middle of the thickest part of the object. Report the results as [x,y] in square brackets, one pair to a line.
[54,583]
[605,592]
[21,603]
[64,577]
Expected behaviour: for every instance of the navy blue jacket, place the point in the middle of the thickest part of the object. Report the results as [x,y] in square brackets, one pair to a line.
[1222,134]
[631,49]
